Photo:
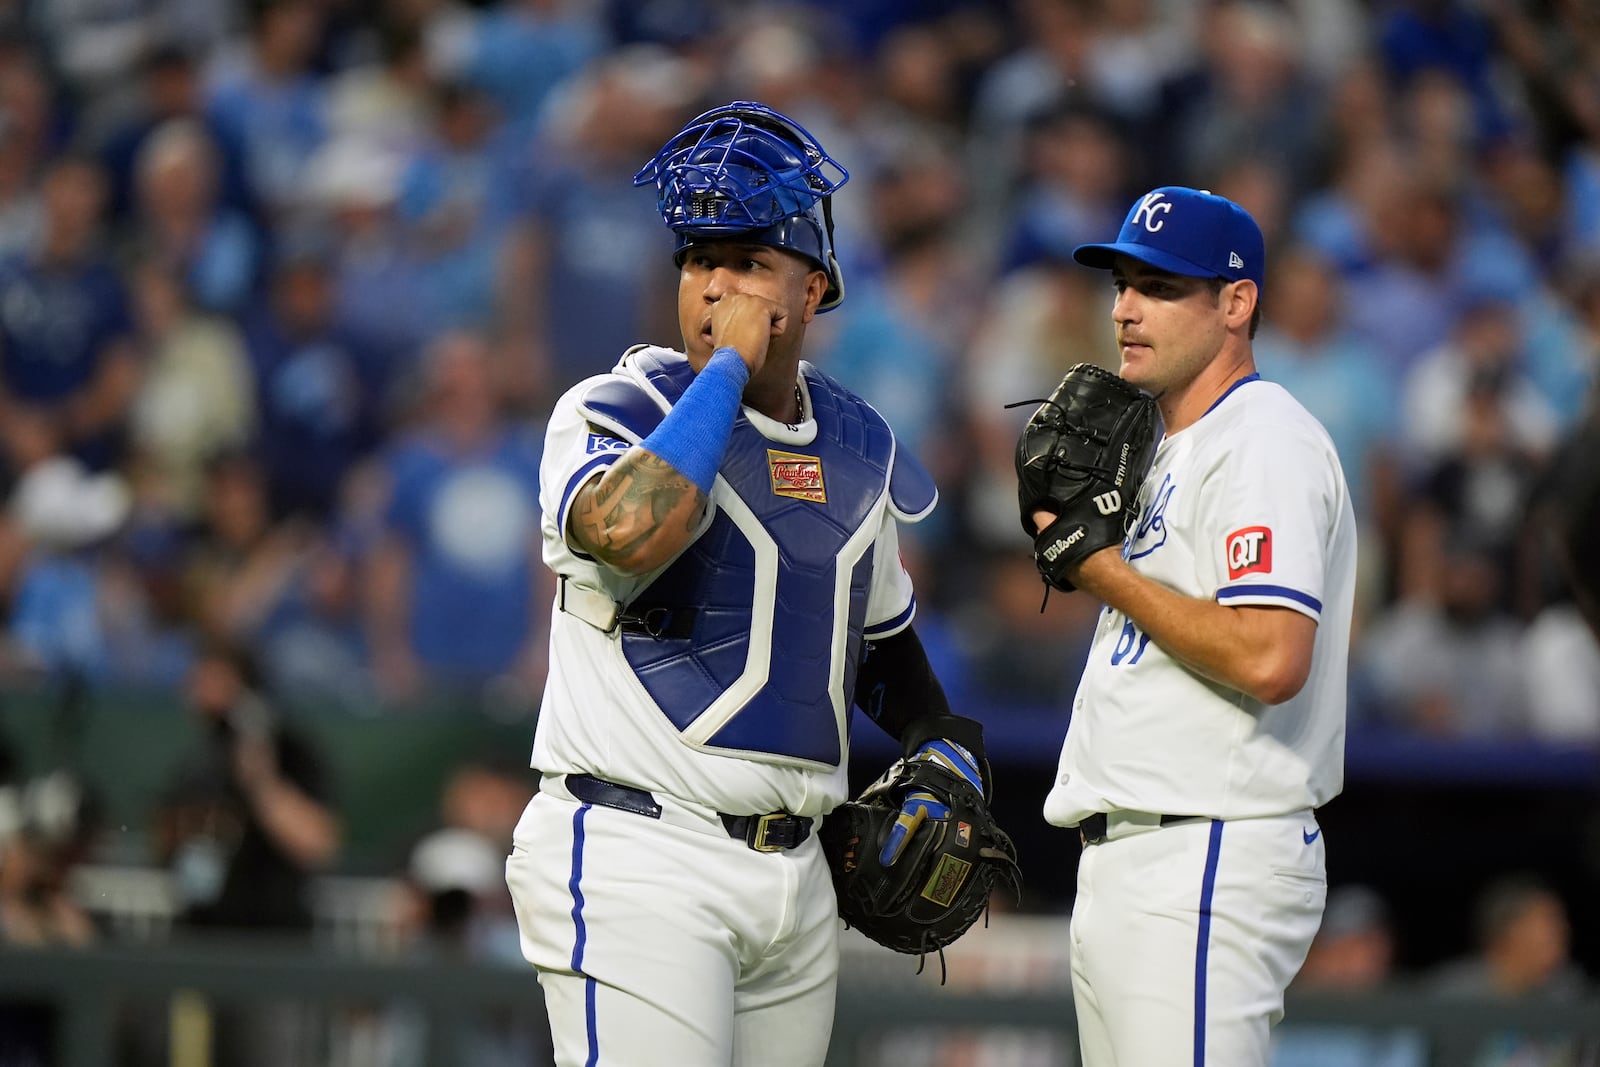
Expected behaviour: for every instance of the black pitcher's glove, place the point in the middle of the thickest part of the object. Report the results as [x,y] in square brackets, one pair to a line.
[917,889]
[1082,457]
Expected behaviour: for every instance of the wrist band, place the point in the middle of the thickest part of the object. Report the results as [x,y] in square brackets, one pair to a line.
[694,434]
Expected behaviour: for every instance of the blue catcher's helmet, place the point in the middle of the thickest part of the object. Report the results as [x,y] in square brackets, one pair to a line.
[744,170]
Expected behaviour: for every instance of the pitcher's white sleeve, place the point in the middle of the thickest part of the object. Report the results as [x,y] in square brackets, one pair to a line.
[1266,517]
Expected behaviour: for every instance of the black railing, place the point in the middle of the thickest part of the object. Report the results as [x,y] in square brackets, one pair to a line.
[87,989]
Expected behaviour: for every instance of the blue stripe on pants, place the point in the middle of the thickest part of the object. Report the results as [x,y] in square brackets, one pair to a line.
[1207,889]
[582,933]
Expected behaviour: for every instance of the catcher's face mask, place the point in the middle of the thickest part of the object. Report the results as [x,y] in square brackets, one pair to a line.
[744,170]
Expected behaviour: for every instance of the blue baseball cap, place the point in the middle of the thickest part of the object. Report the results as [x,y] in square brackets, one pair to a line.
[1186,231]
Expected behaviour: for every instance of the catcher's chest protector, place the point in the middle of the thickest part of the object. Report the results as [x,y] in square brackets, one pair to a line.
[792,523]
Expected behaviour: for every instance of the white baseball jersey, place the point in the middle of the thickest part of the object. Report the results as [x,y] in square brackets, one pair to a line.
[772,734]
[1247,506]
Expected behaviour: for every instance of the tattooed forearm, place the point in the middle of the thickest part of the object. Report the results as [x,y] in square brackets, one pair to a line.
[638,515]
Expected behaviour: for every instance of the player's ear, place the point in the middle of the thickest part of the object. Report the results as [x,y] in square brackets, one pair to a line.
[816,289]
[1240,299]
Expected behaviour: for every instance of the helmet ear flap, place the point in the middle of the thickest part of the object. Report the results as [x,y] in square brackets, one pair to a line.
[833,296]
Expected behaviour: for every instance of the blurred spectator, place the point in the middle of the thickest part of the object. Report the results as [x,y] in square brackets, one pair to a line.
[1354,950]
[1353,954]
[59,521]
[197,397]
[1017,653]
[1561,674]
[1073,187]
[180,220]
[1251,86]
[1575,514]
[1426,259]
[1562,664]
[268,100]
[67,366]
[455,589]
[43,833]
[1479,462]
[1523,942]
[24,118]
[385,103]
[1039,320]
[1418,38]
[315,385]
[459,878]
[1338,377]
[1446,661]
[518,51]
[244,822]
[244,559]
[902,342]
[455,198]
[587,287]
[246,817]
[455,908]
[381,286]
[1474,376]
[168,88]
[45,829]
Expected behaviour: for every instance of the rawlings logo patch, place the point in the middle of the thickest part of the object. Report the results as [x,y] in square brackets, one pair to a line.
[946,880]
[799,477]
[1249,551]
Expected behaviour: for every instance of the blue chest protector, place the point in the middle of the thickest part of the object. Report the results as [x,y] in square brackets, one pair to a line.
[777,584]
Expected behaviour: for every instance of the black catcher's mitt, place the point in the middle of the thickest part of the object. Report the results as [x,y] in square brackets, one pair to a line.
[940,883]
[1082,457]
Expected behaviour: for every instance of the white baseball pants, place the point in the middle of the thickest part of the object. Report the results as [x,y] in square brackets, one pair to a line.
[1184,937]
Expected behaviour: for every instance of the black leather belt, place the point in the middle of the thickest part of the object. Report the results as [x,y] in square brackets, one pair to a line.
[1092,830]
[773,832]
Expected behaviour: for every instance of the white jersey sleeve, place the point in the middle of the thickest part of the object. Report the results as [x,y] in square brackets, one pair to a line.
[574,452]
[891,605]
[1266,514]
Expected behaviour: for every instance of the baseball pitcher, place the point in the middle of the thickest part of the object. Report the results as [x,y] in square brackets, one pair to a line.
[1209,722]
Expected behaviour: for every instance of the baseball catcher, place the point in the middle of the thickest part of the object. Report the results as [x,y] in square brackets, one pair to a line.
[916,856]
[1082,457]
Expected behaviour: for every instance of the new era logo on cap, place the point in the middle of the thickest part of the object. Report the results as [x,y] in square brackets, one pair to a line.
[1185,231]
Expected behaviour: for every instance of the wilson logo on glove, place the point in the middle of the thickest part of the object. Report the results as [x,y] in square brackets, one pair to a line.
[1053,551]
[1092,437]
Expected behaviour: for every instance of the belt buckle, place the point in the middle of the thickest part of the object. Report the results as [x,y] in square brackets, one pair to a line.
[760,829]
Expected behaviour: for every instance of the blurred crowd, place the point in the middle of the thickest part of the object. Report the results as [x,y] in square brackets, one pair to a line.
[287,286]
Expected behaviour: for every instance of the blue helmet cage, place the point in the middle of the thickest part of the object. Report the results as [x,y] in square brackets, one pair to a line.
[744,170]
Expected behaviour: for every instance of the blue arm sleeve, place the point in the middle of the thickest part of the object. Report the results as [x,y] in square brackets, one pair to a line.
[694,435]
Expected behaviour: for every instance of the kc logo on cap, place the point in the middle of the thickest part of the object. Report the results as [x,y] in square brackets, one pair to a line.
[1186,231]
